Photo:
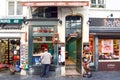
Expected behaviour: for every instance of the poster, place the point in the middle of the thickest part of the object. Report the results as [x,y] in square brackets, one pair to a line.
[107,46]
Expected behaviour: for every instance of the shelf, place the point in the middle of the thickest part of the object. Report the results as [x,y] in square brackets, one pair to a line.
[42,42]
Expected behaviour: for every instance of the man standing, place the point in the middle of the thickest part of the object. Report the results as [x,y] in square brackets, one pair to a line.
[45,63]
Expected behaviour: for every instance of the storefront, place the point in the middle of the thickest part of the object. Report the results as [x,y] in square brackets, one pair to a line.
[10,41]
[105,43]
[41,36]
[50,21]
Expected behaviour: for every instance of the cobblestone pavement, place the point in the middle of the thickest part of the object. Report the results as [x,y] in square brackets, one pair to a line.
[101,75]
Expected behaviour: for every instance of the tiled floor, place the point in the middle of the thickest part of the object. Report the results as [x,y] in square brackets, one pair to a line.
[71,68]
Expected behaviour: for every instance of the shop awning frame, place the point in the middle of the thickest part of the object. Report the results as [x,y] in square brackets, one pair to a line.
[56,3]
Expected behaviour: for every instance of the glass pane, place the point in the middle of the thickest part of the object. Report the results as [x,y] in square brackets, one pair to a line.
[10,8]
[36,39]
[43,29]
[44,12]
[19,8]
[73,25]
[100,1]
[93,1]
[109,49]
[48,38]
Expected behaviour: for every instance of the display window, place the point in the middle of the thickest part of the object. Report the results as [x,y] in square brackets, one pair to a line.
[9,52]
[109,49]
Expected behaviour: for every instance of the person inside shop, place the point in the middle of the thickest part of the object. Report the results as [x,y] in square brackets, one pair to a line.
[87,58]
[59,58]
[46,59]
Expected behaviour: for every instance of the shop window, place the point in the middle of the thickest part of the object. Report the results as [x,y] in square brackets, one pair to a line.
[97,3]
[9,51]
[15,8]
[43,29]
[49,38]
[109,49]
[73,25]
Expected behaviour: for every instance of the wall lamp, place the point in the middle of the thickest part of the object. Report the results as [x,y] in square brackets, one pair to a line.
[25,21]
[60,21]
[89,21]
[111,15]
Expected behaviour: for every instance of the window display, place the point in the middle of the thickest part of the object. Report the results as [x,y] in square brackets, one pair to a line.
[9,51]
[108,49]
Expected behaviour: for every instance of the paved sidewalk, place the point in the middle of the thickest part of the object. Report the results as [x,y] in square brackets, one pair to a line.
[101,75]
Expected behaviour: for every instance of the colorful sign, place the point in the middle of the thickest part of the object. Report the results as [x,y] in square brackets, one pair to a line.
[56,3]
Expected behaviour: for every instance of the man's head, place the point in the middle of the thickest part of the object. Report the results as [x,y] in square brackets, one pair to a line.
[45,49]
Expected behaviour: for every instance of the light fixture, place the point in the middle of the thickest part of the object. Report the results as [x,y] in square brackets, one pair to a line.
[60,21]
[25,21]
[89,21]
[111,15]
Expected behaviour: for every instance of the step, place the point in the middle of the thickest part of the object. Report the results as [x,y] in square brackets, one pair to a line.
[71,67]
[72,72]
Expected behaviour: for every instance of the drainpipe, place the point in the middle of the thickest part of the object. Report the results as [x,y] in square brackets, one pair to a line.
[96,52]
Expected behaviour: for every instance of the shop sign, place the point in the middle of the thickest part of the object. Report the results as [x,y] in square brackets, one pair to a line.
[111,66]
[11,21]
[104,24]
[56,3]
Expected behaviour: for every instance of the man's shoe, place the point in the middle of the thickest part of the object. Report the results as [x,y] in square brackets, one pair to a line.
[89,75]
[84,75]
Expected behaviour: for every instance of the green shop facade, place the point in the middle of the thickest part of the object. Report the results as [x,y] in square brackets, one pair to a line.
[41,33]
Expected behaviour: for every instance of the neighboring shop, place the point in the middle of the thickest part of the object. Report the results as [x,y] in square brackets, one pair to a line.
[10,42]
[51,24]
[105,43]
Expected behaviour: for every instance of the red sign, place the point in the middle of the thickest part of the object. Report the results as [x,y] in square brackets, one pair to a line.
[56,3]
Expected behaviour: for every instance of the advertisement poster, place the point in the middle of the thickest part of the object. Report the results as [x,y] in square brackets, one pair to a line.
[107,46]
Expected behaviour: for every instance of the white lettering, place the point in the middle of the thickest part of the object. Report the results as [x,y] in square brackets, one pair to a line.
[5,21]
[112,23]
[16,21]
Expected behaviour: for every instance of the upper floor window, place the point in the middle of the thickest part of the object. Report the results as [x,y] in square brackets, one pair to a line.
[44,12]
[15,8]
[97,3]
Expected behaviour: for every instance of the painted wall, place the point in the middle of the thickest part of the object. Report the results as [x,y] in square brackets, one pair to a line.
[3,8]
[63,12]
[112,6]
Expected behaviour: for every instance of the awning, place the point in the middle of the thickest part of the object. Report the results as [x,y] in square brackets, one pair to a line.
[56,3]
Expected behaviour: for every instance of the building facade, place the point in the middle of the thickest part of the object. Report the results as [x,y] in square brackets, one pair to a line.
[29,26]
[59,26]
[104,34]
[13,34]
